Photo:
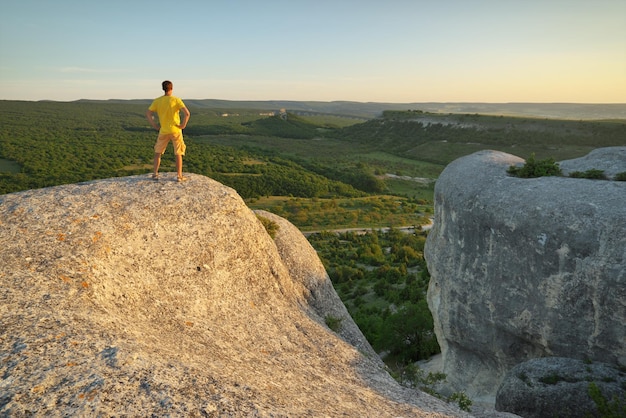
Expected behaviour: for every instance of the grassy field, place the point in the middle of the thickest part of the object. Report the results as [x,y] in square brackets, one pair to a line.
[366,212]
[411,189]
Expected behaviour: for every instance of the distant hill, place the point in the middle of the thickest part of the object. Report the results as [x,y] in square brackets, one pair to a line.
[576,111]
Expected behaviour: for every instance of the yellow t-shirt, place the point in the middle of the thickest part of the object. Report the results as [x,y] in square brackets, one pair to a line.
[168,108]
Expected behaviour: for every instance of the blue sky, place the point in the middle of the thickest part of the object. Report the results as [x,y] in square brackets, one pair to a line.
[360,50]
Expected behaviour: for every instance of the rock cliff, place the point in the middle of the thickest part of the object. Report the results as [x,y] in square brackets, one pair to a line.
[526,268]
[129,297]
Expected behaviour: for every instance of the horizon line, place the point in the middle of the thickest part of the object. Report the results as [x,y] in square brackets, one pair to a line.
[326,101]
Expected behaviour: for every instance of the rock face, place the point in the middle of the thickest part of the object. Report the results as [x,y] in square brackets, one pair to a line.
[129,297]
[524,268]
[559,387]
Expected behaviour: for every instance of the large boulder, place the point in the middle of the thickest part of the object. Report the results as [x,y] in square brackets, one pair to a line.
[524,268]
[130,297]
[562,387]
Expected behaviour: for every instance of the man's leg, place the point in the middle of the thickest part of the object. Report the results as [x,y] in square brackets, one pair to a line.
[179,151]
[179,165]
[157,164]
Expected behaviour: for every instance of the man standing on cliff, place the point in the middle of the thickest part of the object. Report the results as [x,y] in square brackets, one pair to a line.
[168,108]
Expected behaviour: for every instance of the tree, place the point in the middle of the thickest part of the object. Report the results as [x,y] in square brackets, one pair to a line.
[408,333]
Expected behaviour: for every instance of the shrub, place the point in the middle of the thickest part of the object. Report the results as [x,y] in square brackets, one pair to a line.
[620,176]
[589,174]
[462,400]
[413,376]
[607,408]
[270,226]
[333,322]
[533,168]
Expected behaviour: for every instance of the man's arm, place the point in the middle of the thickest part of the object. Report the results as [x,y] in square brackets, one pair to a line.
[150,117]
[186,113]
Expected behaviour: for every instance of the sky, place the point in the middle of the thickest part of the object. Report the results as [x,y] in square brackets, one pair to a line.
[394,51]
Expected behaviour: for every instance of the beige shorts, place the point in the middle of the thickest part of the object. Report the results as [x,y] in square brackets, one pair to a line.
[177,142]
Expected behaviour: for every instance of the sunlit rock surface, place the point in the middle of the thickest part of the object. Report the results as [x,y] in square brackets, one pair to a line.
[130,297]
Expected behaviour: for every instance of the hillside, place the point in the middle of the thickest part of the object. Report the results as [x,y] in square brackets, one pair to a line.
[132,297]
[440,139]
[575,111]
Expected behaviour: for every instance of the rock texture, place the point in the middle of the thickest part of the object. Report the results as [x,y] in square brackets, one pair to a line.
[129,297]
[524,268]
[559,387]
[611,160]
[307,270]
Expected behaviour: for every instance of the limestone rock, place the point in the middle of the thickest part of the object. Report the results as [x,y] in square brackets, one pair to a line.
[306,268]
[611,160]
[524,268]
[130,297]
[555,386]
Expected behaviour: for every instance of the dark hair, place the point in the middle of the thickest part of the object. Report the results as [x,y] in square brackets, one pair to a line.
[167,86]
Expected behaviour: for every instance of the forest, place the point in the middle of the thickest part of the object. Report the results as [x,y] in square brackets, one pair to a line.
[382,279]
[322,172]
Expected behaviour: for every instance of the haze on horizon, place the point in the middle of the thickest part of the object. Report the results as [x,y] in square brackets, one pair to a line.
[399,51]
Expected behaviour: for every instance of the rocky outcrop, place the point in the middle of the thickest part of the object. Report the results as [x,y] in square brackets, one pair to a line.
[130,297]
[610,160]
[560,387]
[524,268]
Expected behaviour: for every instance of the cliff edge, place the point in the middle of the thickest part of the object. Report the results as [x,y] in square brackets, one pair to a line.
[130,297]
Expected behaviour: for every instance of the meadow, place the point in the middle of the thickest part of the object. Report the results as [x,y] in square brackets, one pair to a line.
[321,171]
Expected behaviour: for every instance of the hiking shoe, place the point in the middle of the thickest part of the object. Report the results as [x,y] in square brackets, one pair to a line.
[182,178]
[155,177]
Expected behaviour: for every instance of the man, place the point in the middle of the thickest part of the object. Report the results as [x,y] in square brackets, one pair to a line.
[168,108]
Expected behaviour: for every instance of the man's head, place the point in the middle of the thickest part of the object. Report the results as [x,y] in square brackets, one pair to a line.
[167,86]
